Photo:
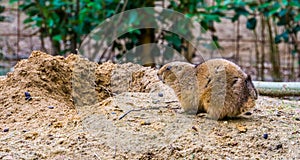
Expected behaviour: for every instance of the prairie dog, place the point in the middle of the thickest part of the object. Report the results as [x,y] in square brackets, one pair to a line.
[217,87]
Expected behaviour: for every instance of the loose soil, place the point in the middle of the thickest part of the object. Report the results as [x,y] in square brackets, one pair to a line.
[82,110]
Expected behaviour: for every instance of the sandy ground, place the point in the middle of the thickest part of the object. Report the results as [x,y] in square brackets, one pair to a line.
[81,110]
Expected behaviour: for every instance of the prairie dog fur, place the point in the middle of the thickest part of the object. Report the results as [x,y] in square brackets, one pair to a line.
[217,87]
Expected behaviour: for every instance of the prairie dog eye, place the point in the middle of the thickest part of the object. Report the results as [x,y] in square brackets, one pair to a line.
[169,68]
[235,80]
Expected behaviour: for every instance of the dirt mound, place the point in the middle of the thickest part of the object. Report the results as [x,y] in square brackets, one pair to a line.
[57,86]
[40,75]
[72,79]
[78,109]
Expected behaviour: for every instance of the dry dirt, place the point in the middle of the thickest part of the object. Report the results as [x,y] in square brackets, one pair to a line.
[81,110]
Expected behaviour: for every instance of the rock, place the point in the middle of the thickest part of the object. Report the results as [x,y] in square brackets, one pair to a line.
[160,94]
[31,135]
[5,129]
[51,107]
[265,136]
[278,146]
[145,123]
[27,96]
[241,128]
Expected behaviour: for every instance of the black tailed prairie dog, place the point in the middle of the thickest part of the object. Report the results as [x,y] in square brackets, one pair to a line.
[217,87]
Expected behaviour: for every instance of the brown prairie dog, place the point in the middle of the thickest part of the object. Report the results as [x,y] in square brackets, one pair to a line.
[217,87]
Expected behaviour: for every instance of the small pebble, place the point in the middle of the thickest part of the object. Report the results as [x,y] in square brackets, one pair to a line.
[145,123]
[278,113]
[241,128]
[248,113]
[265,136]
[28,96]
[195,129]
[113,113]
[51,107]
[5,129]
[156,101]
[160,94]
[278,146]
[297,119]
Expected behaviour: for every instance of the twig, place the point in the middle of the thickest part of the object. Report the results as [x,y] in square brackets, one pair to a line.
[97,155]
[143,109]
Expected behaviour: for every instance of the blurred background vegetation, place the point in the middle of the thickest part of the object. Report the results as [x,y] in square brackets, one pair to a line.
[66,23]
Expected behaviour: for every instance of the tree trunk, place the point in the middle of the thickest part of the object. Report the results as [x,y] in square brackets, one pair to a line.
[257,55]
[147,36]
[274,55]
[187,51]
[55,47]
[262,48]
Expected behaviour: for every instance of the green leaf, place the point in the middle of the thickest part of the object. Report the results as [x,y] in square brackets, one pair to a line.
[294,52]
[282,21]
[189,15]
[296,29]
[215,38]
[57,38]
[50,22]
[295,3]
[235,18]
[28,20]
[133,17]
[227,2]
[264,5]
[277,39]
[109,13]
[242,11]
[204,25]
[297,18]
[285,36]
[282,13]
[174,40]
[219,13]
[38,21]
[273,10]
[13,1]
[24,7]
[134,31]
[251,23]
[285,2]
[173,4]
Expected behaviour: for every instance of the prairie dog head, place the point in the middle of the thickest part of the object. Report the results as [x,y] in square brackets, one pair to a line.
[173,71]
[181,77]
[239,81]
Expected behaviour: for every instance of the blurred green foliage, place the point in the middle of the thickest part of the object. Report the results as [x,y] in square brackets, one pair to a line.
[66,22]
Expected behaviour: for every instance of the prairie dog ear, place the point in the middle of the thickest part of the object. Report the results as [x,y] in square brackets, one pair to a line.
[248,77]
[251,88]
